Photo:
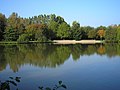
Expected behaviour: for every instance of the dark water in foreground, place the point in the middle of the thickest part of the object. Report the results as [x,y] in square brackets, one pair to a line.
[80,67]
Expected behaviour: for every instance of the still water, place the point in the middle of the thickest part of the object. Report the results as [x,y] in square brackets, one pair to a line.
[79,67]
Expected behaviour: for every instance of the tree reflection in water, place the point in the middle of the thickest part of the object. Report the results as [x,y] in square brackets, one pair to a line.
[50,55]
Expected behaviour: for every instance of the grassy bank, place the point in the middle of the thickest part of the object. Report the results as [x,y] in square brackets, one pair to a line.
[8,42]
[29,42]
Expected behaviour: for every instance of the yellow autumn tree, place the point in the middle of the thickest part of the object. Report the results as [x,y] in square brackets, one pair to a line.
[101,33]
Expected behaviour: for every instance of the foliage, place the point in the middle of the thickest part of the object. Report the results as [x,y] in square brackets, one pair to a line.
[37,32]
[63,31]
[56,87]
[40,37]
[118,33]
[43,28]
[75,31]
[53,26]
[24,38]
[5,85]
[92,34]
[86,32]
[2,25]
[14,27]
[101,33]
[111,33]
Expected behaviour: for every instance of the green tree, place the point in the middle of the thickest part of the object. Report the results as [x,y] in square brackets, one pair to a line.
[39,36]
[14,27]
[53,26]
[2,25]
[101,28]
[60,20]
[118,33]
[24,38]
[76,32]
[63,31]
[37,32]
[86,31]
[111,33]
[92,34]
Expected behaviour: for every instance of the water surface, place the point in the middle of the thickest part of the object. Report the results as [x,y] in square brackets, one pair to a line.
[80,67]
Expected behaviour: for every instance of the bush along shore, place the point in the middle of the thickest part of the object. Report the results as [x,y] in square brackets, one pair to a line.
[48,28]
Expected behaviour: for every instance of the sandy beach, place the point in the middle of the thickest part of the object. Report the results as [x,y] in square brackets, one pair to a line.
[76,42]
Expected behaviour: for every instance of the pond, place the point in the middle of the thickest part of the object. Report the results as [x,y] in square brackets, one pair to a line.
[79,67]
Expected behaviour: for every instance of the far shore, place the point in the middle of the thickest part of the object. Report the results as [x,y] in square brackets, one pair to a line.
[76,42]
[57,42]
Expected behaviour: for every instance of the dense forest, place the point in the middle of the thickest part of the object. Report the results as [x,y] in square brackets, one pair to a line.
[44,28]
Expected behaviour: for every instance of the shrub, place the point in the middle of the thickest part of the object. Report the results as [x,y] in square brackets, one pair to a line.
[24,38]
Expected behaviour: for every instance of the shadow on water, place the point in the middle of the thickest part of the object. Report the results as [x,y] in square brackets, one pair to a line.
[49,55]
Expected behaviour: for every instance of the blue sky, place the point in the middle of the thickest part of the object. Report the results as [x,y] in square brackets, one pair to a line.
[86,12]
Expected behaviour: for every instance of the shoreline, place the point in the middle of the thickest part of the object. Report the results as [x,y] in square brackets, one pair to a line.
[57,42]
[77,42]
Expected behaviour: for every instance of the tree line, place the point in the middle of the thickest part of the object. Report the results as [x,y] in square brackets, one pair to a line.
[51,27]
